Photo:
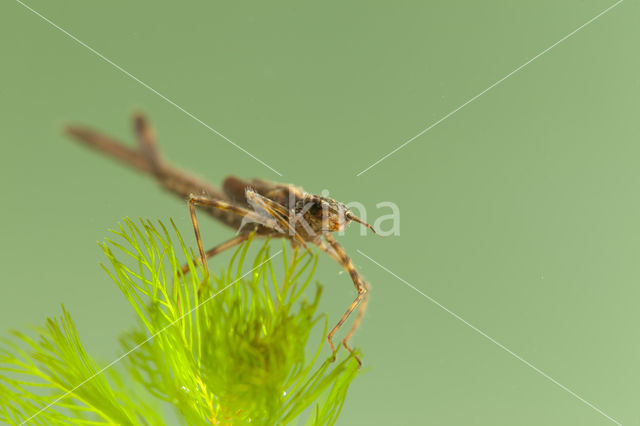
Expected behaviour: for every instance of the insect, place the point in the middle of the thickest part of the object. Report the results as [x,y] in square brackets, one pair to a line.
[266,208]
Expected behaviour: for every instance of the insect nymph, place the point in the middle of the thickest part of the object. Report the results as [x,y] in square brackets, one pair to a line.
[254,206]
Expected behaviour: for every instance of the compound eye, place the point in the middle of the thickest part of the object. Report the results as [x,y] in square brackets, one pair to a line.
[316,207]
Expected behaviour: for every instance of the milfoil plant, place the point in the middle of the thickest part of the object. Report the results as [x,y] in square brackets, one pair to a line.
[233,348]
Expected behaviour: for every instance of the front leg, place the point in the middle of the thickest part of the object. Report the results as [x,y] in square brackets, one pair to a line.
[336,251]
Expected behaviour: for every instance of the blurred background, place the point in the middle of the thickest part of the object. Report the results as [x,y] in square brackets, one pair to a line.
[520,213]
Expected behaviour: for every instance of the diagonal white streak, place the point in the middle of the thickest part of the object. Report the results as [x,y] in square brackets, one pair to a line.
[133,77]
[115,361]
[494,341]
[422,132]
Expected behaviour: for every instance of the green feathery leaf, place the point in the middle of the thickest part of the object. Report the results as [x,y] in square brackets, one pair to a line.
[233,349]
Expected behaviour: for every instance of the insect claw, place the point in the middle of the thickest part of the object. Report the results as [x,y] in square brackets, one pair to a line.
[344,343]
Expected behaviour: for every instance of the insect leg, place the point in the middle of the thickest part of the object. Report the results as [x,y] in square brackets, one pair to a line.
[147,145]
[336,251]
[219,249]
[200,200]
[356,322]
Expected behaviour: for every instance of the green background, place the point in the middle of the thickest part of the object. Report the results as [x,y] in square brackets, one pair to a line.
[520,213]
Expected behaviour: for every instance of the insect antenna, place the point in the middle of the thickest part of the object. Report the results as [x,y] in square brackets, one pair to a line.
[355,218]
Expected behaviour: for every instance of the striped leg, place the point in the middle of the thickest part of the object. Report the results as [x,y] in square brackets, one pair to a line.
[336,251]
[200,200]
